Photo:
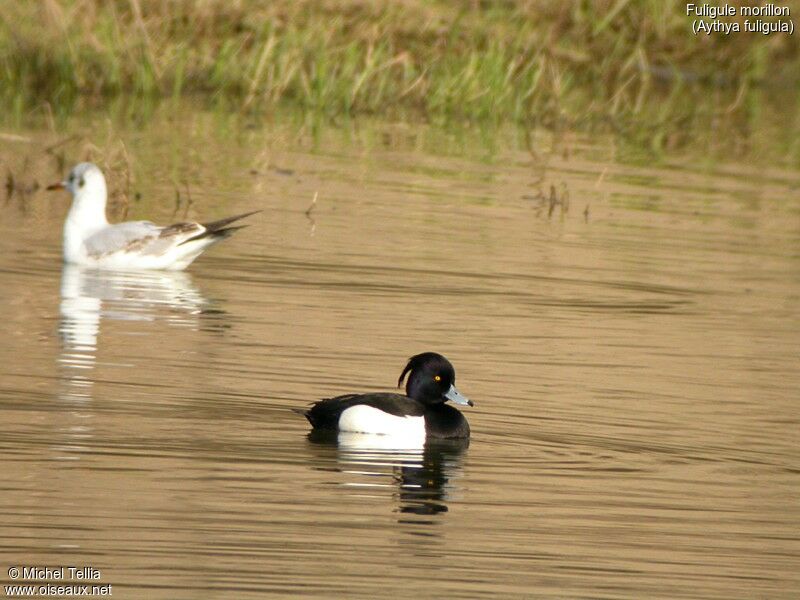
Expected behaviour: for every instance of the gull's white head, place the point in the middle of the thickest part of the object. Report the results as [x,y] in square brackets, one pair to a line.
[88,213]
[88,188]
[84,180]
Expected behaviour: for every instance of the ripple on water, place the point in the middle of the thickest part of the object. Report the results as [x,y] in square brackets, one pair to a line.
[634,373]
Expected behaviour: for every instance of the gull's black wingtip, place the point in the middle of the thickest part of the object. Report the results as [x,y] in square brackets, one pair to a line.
[218,230]
[215,226]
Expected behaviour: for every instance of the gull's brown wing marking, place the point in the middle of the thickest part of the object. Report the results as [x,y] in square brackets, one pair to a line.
[140,237]
[146,238]
[180,229]
[138,244]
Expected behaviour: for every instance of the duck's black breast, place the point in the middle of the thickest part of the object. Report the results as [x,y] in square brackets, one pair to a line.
[325,413]
[444,421]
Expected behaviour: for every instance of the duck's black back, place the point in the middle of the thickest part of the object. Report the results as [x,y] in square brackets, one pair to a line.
[325,413]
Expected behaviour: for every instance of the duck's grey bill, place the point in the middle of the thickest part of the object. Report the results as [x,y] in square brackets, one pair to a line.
[455,396]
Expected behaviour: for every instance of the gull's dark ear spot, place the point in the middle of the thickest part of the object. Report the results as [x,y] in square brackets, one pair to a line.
[81,182]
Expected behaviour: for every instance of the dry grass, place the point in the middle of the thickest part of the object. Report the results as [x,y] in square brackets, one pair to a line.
[538,61]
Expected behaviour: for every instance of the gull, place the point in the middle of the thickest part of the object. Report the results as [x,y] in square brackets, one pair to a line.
[90,240]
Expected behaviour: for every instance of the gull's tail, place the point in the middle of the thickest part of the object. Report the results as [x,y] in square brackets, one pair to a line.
[218,230]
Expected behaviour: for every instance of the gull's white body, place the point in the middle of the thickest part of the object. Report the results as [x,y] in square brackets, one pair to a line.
[90,240]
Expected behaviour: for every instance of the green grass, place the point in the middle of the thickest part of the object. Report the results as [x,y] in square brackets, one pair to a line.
[533,62]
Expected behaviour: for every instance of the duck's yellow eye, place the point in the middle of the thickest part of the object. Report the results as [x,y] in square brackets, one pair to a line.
[437,378]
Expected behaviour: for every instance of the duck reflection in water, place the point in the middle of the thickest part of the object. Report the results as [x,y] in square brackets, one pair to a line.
[422,475]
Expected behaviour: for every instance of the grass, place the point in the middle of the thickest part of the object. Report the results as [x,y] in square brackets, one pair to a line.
[532,62]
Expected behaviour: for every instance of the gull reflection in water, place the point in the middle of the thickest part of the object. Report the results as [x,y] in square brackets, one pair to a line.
[419,476]
[89,297]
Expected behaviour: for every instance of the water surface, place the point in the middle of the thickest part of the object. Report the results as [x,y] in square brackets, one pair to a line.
[631,349]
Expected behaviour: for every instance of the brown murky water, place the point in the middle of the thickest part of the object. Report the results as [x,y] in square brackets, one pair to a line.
[634,366]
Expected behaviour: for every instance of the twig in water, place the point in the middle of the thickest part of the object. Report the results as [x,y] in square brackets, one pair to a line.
[119,204]
[564,198]
[10,185]
[61,162]
[189,201]
[51,121]
[309,212]
[553,200]
[177,202]
[601,178]
[49,149]
[313,205]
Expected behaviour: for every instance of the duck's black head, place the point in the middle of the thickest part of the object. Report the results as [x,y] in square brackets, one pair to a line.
[432,380]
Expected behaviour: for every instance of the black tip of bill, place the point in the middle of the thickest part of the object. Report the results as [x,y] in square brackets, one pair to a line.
[457,397]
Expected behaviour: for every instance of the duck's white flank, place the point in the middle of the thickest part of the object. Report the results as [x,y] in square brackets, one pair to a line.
[367,419]
[358,443]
